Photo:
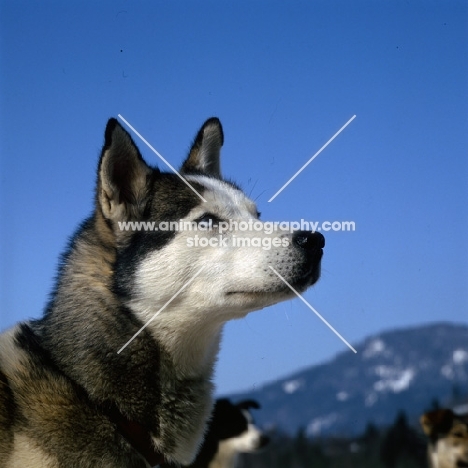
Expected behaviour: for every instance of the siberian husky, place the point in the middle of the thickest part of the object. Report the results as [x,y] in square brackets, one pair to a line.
[79,388]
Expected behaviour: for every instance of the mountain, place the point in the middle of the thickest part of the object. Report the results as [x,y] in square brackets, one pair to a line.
[396,370]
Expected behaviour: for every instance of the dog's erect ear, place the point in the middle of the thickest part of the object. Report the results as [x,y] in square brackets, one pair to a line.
[437,422]
[122,175]
[247,404]
[205,152]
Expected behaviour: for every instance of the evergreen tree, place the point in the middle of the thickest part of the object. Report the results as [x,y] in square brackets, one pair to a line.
[401,445]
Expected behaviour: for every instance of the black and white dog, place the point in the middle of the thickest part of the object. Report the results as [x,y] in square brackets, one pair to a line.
[231,431]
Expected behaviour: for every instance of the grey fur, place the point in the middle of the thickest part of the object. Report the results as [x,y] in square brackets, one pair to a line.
[61,377]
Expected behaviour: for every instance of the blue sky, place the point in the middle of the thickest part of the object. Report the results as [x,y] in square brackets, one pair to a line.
[283,77]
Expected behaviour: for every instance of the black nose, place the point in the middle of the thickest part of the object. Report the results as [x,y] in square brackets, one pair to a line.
[308,240]
[264,440]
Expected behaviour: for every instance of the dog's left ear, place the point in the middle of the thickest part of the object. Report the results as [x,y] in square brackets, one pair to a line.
[205,152]
[247,404]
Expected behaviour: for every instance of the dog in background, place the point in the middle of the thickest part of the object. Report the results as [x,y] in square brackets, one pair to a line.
[231,431]
[448,438]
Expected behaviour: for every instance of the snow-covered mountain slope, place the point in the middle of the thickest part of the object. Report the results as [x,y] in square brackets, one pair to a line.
[396,370]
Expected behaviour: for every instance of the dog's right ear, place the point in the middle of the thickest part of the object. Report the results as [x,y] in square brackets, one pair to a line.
[122,176]
[205,153]
[437,422]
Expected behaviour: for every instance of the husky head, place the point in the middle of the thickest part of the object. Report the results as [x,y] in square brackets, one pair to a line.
[213,269]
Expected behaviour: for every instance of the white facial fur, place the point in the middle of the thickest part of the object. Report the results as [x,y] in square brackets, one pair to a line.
[229,449]
[248,441]
[234,280]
